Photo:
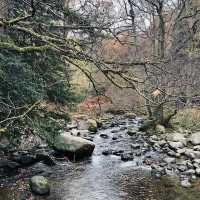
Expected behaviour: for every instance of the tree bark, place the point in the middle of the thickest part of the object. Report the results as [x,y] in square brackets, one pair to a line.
[3,12]
[161,37]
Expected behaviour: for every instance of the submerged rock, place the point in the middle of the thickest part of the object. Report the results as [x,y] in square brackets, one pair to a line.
[73,146]
[107,152]
[39,185]
[103,135]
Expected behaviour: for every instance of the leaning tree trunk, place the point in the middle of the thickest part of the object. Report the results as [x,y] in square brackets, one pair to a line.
[157,117]
[160,117]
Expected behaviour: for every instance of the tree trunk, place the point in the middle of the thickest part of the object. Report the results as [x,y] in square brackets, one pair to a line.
[161,37]
[132,14]
[3,12]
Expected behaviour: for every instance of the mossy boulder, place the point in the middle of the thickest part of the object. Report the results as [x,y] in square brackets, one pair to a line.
[93,125]
[39,185]
[160,129]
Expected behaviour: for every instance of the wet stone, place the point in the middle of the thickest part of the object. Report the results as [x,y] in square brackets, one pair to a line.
[169,160]
[114,138]
[118,152]
[135,146]
[107,152]
[185,183]
[103,135]
[126,157]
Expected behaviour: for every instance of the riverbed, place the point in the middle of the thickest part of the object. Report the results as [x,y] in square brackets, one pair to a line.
[105,176]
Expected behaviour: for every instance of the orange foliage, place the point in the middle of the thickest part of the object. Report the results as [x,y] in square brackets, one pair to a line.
[93,104]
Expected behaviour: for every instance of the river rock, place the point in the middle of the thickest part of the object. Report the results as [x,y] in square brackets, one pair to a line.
[72,125]
[114,138]
[195,138]
[115,131]
[123,128]
[196,148]
[176,145]
[39,185]
[132,131]
[197,171]
[45,158]
[189,172]
[160,129]
[130,115]
[105,136]
[190,153]
[93,126]
[107,152]
[176,137]
[73,146]
[118,152]
[185,183]
[75,132]
[182,168]
[135,146]
[169,160]
[126,157]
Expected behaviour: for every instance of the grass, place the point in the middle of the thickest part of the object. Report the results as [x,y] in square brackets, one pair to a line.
[188,118]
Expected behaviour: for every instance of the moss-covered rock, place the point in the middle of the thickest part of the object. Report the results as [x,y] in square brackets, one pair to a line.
[93,126]
[160,129]
[39,185]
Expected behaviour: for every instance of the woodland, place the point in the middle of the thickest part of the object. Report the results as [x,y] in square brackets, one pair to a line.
[64,63]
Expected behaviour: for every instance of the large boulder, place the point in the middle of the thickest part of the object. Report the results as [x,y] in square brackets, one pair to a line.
[195,138]
[177,137]
[39,185]
[73,146]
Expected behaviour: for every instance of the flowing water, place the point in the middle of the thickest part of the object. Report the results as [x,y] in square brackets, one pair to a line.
[107,177]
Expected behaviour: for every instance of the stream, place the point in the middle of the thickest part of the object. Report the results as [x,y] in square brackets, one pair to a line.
[107,177]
